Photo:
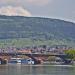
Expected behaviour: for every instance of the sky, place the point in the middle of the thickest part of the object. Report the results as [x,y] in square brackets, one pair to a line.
[60,9]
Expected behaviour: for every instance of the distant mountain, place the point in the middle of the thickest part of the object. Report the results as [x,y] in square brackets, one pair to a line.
[36,28]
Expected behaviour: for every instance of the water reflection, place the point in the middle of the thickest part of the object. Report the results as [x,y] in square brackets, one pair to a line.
[36,70]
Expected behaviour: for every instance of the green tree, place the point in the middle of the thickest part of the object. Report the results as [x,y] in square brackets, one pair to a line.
[70,54]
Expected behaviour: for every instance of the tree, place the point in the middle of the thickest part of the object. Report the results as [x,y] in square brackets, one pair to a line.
[70,54]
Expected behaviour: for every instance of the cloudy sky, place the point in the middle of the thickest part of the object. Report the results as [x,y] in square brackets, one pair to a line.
[62,9]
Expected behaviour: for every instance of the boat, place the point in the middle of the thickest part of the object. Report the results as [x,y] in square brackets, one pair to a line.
[21,61]
[30,61]
[15,60]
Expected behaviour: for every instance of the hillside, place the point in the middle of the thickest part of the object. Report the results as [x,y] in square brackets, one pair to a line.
[40,30]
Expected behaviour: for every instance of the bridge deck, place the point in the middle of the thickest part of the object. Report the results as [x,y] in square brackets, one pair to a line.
[33,54]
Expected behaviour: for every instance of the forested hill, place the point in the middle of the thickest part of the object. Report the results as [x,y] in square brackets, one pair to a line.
[36,28]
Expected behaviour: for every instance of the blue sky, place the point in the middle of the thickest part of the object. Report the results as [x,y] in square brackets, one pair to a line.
[61,9]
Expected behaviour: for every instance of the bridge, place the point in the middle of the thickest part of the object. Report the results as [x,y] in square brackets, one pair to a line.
[33,55]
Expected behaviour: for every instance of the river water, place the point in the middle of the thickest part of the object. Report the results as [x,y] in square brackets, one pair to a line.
[13,69]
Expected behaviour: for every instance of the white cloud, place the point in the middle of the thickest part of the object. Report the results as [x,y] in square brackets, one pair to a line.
[14,11]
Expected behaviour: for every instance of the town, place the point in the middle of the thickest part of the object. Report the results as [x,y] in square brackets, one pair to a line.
[35,54]
[59,49]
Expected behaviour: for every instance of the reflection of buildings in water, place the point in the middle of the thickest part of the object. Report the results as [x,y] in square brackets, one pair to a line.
[38,69]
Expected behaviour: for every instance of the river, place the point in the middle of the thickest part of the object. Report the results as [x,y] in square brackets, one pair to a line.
[13,69]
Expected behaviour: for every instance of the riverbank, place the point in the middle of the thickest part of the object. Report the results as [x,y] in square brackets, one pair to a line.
[73,65]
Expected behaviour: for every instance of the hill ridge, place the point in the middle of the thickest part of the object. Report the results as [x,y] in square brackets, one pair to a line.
[36,28]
